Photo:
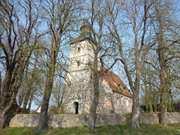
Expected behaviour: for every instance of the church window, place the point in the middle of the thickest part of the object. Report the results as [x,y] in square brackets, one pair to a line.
[79,49]
[78,63]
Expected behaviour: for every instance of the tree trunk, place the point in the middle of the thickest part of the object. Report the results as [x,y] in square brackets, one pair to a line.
[8,113]
[162,52]
[135,111]
[93,115]
[95,94]
[162,100]
[26,99]
[0,86]
[43,120]
[163,74]
[30,102]
[162,111]
[5,88]
[139,63]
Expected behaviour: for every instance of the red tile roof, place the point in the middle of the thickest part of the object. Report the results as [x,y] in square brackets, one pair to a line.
[115,83]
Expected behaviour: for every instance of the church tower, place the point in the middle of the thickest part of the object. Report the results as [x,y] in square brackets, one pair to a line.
[81,51]
[78,91]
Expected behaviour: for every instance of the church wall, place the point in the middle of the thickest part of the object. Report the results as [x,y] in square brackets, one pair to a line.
[105,98]
[122,104]
[111,102]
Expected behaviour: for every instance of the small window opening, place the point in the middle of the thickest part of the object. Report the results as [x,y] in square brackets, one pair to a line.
[91,76]
[76,107]
[79,49]
[78,63]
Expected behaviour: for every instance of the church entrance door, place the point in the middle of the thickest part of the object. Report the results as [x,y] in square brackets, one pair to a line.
[76,107]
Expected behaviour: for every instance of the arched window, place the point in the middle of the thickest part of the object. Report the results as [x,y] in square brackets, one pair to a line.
[79,49]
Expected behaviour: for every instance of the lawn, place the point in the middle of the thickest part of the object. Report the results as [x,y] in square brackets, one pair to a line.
[106,130]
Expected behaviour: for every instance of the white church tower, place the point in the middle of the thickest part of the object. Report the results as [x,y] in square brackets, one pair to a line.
[78,92]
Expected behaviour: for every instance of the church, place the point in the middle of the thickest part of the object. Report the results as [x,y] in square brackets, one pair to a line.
[114,96]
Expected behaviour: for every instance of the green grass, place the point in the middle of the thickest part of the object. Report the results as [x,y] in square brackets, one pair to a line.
[105,130]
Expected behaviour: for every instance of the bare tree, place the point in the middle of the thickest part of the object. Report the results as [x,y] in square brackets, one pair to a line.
[138,22]
[163,25]
[17,49]
[96,15]
[60,17]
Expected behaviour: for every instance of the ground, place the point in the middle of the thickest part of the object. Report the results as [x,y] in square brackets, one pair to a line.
[105,130]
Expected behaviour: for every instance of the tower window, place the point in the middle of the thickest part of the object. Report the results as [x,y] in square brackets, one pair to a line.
[79,49]
[78,63]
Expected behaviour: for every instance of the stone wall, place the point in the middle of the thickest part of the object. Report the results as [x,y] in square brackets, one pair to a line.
[149,118]
[24,120]
[152,118]
[66,120]
[72,120]
[172,118]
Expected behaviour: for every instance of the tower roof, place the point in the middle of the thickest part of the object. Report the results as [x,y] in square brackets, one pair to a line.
[85,33]
[86,27]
